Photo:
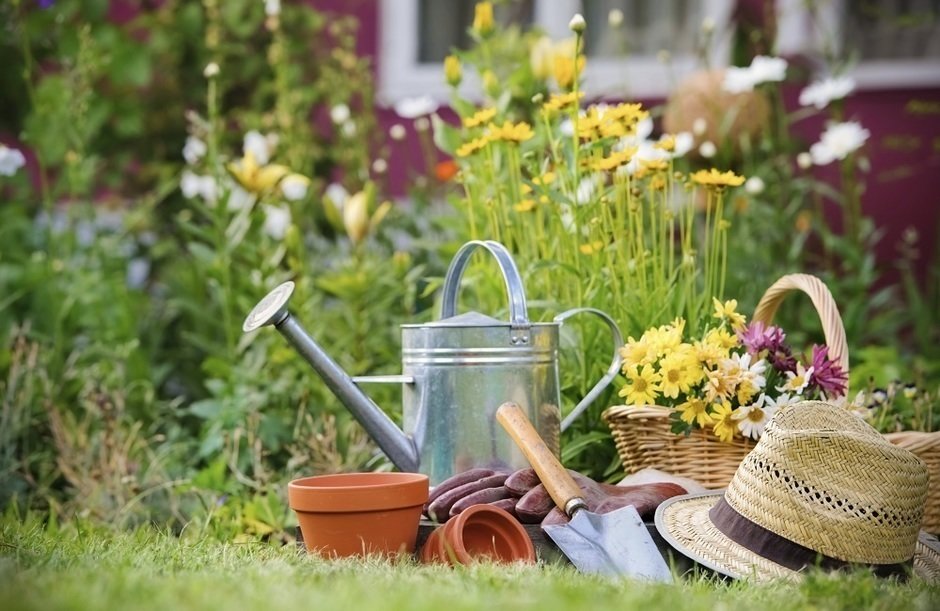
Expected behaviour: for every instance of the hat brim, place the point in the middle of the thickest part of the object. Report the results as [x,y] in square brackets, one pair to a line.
[684,523]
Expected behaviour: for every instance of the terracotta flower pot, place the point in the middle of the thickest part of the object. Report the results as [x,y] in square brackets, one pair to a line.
[480,532]
[356,514]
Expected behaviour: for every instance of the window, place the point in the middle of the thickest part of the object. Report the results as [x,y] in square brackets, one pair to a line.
[896,43]
[622,62]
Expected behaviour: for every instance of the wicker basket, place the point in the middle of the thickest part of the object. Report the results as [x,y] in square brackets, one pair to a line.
[644,438]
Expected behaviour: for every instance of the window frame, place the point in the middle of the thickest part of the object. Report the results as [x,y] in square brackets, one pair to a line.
[634,77]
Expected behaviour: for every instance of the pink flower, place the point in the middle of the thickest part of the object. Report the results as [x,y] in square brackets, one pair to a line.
[828,375]
[757,338]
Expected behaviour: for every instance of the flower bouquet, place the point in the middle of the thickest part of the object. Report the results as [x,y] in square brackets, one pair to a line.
[694,406]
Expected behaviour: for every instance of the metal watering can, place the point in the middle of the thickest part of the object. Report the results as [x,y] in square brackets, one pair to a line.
[456,372]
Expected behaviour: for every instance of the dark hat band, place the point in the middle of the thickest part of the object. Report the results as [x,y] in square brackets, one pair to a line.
[788,553]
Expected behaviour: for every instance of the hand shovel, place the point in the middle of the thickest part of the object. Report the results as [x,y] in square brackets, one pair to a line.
[615,543]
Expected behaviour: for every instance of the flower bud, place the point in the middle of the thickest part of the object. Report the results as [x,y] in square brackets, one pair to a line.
[452,71]
[804,160]
[483,23]
[615,18]
[356,217]
[577,24]
[211,70]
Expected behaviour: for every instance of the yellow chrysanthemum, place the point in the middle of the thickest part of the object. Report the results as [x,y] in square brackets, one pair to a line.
[453,73]
[615,160]
[510,132]
[719,386]
[715,179]
[746,391]
[651,166]
[678,371]
[722,338]
[545,179]
[710,353]
[728,311]
[484,115]
[666,143]
[636,352]
[469,148]
[725,424]
[564,68]
[643,386]
[560,101]
[695,410]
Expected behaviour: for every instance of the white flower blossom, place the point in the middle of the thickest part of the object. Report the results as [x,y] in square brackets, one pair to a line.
[272,8]
[337,195]
[193,185]
[276,221]
[763,69]
[397,132]
[211,70]
[194,149]
[753,418]
[797,381]
[294,187]
[838,141]
[577,23]
[804,160]
[412,108]
[239,199]
[685,141]
[615,18]
[754,185]
[258,145]
[699,126]
[379,166]
[339,114]
[707,149]
[11,160]
[821,93]
[349,129]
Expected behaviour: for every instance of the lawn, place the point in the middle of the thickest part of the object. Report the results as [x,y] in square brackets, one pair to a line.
[76,567]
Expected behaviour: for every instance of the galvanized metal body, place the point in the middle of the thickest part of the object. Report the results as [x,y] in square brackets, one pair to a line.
[464,368]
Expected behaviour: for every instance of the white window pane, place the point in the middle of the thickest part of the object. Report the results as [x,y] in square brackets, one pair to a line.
[648,27]
[444,24]
[892,29]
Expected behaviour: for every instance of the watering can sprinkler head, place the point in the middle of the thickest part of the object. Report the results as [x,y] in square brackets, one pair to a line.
[272,310]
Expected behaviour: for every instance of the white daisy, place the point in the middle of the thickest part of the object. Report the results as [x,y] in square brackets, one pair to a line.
[798,380]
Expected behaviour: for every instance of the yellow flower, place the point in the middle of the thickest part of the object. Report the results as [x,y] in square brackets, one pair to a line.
[746,391]
[728,311]
[636,352]
[629,114]
[651,166]
[715,179]
[725,424]
[469,148]
[643,387]
[452,71]
[722,338]
[484,115]
[560,101]
[518,132]
[678,373]
[718,385]
[710,353]
[545,179]
[564,68]
[541,56]
[666,143]
[591,247]
[616,159]
[696,410]
[483,18]
[525,205]
[255,178]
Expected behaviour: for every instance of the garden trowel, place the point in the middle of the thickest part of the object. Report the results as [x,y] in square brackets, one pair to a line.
[615,543]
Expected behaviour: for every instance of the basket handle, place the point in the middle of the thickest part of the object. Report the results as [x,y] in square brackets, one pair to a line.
[825,306]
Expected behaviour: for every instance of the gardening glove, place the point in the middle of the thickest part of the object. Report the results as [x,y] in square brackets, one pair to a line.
[604,498]
[462,490]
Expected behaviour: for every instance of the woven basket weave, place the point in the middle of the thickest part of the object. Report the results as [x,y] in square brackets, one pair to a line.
[644,438]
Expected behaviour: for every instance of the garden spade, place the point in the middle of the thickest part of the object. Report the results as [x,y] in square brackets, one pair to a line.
[615,543]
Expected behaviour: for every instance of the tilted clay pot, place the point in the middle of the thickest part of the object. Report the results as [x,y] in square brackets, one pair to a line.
[356,514]
[728,116]
[481,532]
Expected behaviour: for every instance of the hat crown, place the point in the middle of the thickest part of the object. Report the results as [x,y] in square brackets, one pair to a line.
[823,478]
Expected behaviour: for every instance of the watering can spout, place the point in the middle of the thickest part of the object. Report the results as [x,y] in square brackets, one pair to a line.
[272,310]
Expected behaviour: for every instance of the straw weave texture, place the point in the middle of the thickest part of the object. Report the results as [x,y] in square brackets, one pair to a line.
[818,470]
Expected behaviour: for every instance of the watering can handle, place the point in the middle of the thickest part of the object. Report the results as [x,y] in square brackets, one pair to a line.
[612,370]
[517,308]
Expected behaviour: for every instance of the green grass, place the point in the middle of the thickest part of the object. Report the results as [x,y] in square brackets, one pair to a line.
[78,567]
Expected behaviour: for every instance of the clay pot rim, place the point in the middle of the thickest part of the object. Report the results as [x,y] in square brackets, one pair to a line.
[377,492]
[501,522]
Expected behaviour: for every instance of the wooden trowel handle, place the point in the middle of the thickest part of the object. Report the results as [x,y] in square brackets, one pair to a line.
[559,483]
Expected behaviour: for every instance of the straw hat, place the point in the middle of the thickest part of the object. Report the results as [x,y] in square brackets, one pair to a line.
[820,487]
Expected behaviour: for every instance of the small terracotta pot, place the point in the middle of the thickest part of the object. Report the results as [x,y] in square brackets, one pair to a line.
[356,514]
[477,533]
